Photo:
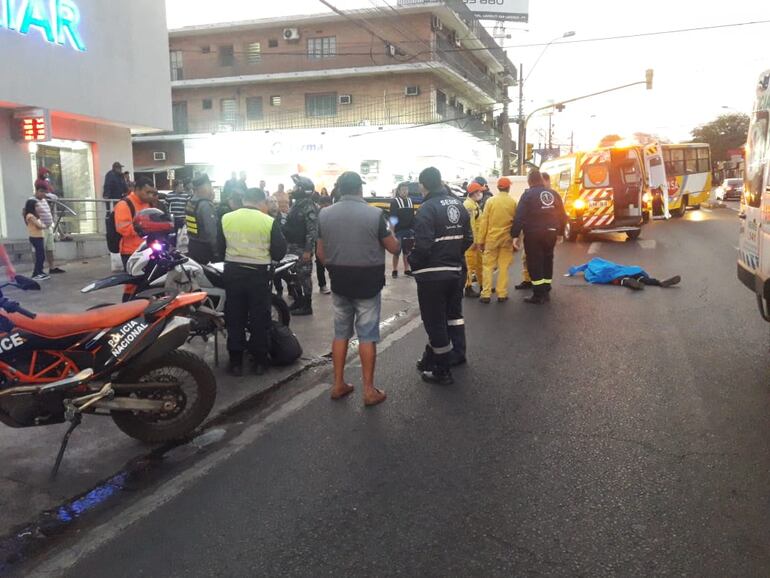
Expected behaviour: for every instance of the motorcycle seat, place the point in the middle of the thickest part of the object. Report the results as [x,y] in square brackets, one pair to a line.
[58,325]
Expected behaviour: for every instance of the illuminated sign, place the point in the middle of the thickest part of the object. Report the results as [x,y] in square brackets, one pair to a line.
[57,21]
[31,125]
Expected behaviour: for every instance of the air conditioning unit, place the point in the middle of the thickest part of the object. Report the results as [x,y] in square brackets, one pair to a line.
[390,50]
[436,23]
[345,99]
[291,34]
[159,156]
[412,91]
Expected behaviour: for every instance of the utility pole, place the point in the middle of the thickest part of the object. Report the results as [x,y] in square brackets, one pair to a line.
[550,131]
[572,142]
[506,144]
[522,124]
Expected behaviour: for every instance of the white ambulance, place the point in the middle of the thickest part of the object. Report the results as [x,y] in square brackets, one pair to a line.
[754,249]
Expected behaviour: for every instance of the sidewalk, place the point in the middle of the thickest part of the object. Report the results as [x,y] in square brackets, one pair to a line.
[98,449]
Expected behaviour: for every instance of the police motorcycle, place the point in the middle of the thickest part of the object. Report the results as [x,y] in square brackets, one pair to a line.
[157,268]
[121,361]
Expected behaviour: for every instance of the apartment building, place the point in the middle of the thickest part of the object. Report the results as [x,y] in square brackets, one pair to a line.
[381,91]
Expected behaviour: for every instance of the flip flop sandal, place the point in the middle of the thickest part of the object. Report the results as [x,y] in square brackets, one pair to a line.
[377,400]
[345,392]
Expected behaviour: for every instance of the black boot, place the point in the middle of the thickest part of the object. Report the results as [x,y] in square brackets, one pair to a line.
[457,335]
[306,307]
[440,373]
[631,283]
[260,365]
[297,304]
[425,363]
[235,366]
[671,281]
[472,293]
[523,286]
[536,299]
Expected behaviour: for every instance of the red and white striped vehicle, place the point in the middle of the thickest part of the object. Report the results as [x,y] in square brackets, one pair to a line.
[603,190]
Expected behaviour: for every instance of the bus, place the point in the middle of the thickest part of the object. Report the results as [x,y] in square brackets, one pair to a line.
[602,189]
[754,244]
[688,176]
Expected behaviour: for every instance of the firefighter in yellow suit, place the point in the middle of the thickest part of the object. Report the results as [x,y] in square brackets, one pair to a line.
[495,240]
[473,256]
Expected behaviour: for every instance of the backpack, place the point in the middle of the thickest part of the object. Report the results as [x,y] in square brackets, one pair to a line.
[113,237]
[284,345]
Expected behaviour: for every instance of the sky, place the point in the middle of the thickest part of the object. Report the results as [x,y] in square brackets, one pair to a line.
[698,75]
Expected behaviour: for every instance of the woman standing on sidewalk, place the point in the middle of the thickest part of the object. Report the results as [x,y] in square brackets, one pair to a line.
[35,228]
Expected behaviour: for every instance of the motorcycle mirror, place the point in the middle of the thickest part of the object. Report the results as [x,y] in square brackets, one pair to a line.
[26,284]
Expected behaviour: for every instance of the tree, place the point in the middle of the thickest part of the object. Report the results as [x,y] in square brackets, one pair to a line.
[610,140]
[728,131]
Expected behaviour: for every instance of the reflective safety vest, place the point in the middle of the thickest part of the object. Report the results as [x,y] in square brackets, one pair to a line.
[247,234]
[194,228]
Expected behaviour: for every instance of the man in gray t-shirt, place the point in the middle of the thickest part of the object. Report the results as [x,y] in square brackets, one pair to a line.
[352,240]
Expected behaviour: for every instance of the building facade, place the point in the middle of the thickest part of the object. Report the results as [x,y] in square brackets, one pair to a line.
[379,91]
[77,77]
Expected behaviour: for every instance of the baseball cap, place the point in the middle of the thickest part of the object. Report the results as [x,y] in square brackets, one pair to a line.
[349,182]
[474,187]
[504,183]
[116,164]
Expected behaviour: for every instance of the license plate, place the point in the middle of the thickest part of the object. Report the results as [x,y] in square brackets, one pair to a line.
[599,204]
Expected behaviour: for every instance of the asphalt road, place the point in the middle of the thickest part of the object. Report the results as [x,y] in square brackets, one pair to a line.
[609,433]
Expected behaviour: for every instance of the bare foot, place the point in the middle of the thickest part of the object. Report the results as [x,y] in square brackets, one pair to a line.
[374,397]
[340,392]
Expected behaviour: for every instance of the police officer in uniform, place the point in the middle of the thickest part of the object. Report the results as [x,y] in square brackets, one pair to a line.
[442,234]
[541,217]
[201,220]
[301,232]
[252,241]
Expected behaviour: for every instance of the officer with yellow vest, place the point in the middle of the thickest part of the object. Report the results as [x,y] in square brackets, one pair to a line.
[495,240]
[251,240]
[473,256]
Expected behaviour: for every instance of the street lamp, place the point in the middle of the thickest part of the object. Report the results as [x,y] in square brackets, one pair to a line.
[522,79]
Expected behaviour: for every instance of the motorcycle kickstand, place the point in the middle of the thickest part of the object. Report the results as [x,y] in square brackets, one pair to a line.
[75,420]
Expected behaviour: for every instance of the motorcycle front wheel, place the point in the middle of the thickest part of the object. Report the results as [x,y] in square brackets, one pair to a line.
[192,397]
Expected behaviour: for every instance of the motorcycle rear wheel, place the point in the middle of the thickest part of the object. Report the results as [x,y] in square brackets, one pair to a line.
[195,376]
[279,310]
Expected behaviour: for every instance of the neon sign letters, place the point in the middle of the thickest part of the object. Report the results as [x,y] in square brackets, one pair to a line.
[57,21]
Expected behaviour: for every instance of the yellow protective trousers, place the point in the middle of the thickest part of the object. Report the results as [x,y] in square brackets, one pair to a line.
[499,258]
[473,259]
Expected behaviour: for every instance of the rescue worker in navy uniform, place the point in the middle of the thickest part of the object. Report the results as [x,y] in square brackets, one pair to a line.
[202,222]
[442,234]
[542,218]
[301,232]
[251,241]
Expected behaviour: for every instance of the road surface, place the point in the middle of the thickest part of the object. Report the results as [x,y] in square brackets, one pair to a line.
[609,433]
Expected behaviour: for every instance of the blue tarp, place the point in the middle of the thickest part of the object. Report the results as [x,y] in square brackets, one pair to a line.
[599,271]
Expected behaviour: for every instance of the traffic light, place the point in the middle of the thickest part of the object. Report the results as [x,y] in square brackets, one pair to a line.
[648,78]
[530,150]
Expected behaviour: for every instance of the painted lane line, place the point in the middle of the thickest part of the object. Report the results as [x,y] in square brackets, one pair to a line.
[100,536]
[648,244]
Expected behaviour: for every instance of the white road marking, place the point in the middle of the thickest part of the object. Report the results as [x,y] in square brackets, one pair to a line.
[97,538]
[648,243]
[594,248]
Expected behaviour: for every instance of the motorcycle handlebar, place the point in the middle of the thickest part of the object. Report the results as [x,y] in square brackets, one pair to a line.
[14,307]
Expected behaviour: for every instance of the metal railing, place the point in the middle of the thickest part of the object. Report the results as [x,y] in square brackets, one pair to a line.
[75,216]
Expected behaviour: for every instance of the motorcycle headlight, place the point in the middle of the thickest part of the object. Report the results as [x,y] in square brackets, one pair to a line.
[579,205]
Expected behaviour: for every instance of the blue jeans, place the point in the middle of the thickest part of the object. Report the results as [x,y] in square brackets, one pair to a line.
[38,244]
[361,314]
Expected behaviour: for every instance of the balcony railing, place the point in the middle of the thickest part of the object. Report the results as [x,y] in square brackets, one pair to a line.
[467,67]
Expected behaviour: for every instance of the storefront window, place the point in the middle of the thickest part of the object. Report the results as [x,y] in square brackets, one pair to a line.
[70,166]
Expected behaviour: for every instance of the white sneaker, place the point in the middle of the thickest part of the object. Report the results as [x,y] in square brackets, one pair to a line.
[42,277]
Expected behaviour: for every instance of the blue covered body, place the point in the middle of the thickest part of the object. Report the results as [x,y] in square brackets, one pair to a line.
[601,272]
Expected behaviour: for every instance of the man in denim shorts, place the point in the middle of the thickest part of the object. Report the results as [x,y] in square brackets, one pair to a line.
[352,240]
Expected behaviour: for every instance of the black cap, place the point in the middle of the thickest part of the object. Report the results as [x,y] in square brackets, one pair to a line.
[117,165]
[349,183]
[201,180]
